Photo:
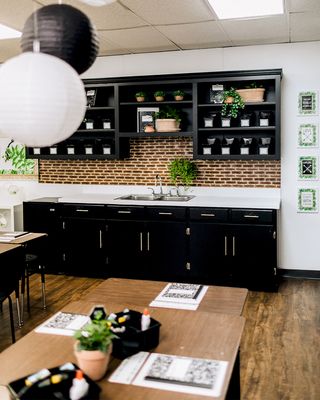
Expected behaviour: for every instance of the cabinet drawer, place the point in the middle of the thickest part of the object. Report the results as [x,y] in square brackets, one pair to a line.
[44,209]
[252,216]
[124,212]
[209,214]
[161,213]
[83,210]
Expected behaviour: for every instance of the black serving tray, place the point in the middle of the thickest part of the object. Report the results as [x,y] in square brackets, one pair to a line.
[35,393]
[134,339]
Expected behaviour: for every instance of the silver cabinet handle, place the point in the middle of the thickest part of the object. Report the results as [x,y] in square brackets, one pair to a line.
[52,209]
[250,216]
[164,213]
[225,246]
[148,241]
[233,246]
[63,225]
[141,243]
[100,238]
[207,215]
[124,212]
[81,210]
[188,266]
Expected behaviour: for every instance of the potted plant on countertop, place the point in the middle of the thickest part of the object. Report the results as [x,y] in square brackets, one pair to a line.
[159,95]
[232,104]
[167,120]
[140,96]
[252,93]
[94,345]
[178,95]
[182,173]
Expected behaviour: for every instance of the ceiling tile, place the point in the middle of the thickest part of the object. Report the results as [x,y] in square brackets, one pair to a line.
[9,48]
[303,5]
[108,48]
[160,12]
[305,26]
[14,13]
[273,29]
[200,35]
[112,16]
[140,40]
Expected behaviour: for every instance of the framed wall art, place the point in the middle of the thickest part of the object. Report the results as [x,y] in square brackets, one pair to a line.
[308,135]
[308,103]
[307,200]
[13,161]
[308,167]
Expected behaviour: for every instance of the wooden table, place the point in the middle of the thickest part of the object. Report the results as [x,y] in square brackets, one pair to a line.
[218,299]
[188,333]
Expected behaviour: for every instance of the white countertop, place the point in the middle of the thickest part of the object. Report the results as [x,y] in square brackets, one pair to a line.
[229,200]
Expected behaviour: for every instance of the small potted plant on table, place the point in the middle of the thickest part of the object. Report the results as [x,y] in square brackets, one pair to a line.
[140,96]
[94,345]
[232,104]
[252,93]
[178,95]
[168,120]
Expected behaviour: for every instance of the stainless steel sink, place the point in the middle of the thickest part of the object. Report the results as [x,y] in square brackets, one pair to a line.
[154,197]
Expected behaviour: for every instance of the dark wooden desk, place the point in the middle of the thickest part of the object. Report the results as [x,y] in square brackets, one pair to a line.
[188,333]
[218,299]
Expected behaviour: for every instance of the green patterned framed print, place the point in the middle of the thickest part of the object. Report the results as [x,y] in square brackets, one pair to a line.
[308,103]
[308,167]
[307,200]
[308,135]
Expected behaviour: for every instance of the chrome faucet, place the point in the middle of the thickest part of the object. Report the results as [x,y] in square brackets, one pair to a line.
[158,180]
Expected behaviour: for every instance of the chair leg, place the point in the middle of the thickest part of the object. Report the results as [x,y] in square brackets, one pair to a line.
[28,292]
[43,286]
[11,320]
[23,284]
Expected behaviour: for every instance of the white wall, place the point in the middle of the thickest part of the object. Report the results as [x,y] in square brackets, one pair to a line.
[299,248]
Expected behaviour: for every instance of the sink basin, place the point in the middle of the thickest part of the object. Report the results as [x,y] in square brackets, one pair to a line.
[154,197]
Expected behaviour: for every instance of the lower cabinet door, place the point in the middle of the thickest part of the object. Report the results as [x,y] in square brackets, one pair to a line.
[166,250]
[209,253]
[84,246]
[254,256]
[126,249]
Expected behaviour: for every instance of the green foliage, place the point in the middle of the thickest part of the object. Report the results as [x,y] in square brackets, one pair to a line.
[168,112]
[96,335]
[182,170]
[17,155]
[253,85]
[141,94]
[232,109]
[159,93]
[178,93]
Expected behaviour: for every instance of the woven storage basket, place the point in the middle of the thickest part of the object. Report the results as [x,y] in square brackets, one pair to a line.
[254,95]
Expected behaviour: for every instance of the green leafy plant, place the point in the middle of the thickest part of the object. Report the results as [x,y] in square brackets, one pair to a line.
[182,171]
[159,93]
[231,109]
[140,94]
[96,335]
[20,164]
[253,85]
[168,112]
[179,93]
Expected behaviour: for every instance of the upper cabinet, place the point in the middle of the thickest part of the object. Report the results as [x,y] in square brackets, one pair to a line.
[180,105]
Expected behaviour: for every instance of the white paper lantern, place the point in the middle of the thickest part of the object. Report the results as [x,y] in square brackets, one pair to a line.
[42,99]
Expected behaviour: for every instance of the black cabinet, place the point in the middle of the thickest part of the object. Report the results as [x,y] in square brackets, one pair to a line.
[44,217]
[242,253]
[113,116]
[148,243]
[84,240]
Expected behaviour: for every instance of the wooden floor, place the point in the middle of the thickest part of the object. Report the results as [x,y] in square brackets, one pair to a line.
[280,349]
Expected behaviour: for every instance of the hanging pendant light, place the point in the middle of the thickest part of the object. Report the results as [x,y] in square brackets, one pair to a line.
[64,32]
[42,99]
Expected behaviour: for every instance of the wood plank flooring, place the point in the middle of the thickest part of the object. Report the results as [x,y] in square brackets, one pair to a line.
[280,349]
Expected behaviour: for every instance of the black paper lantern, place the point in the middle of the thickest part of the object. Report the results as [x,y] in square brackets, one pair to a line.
[64,32]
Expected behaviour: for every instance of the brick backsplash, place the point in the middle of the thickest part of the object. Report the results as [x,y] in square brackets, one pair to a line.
[151,156]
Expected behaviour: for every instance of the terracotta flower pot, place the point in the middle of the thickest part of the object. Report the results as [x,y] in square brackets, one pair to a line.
[159,98]
[166,125]
[140,99]
[178,98]
[93,363]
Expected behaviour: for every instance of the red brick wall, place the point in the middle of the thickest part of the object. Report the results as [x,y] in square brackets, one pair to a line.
[149,157]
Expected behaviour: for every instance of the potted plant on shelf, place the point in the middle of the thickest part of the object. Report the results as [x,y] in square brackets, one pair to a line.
[232,104]
[252,93]
[159,95]
[94,345]
[178,95]
[140,96]
[182,173]
[167,120]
